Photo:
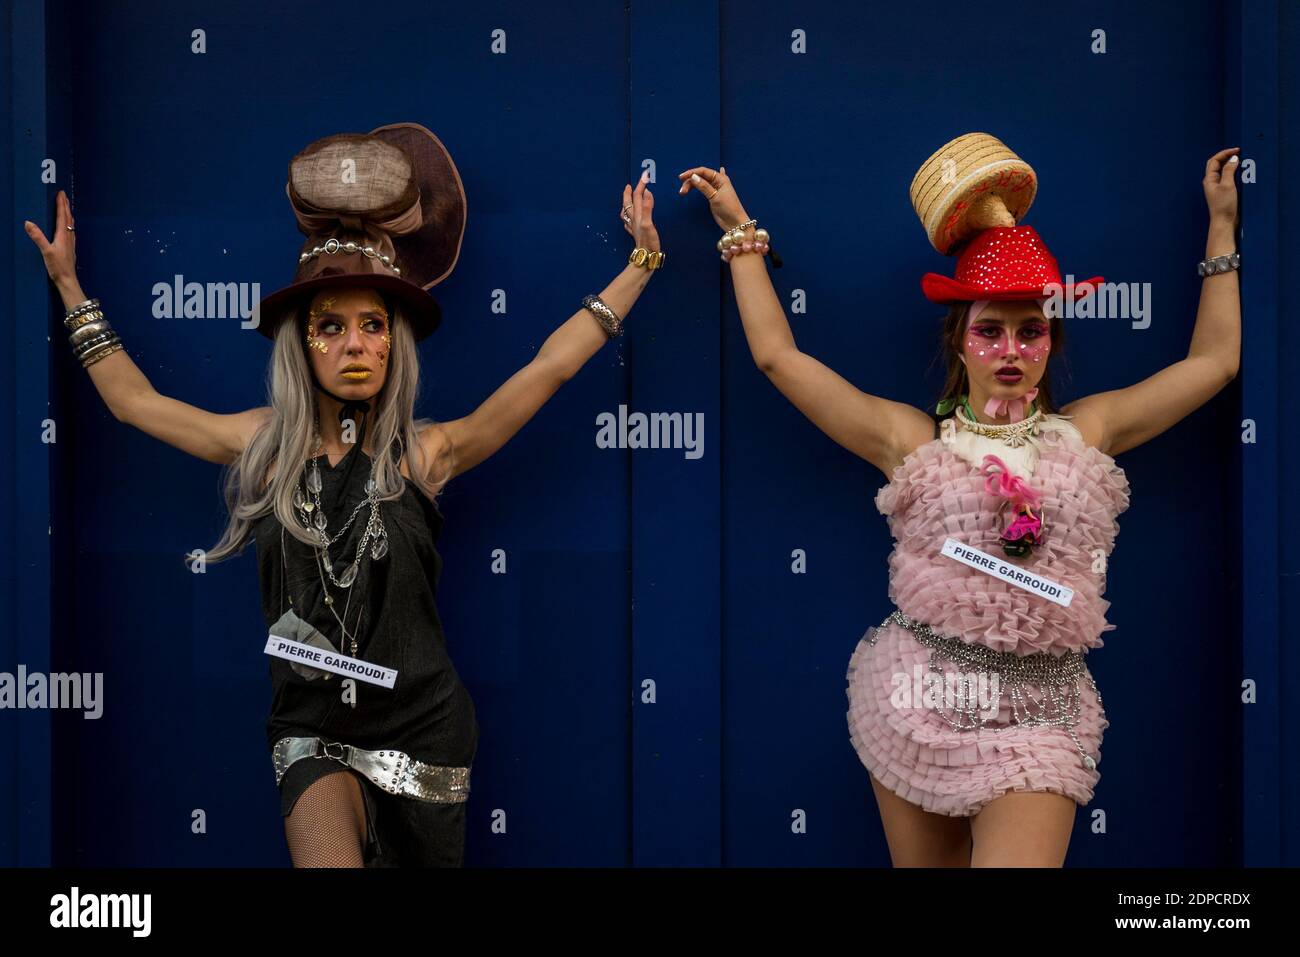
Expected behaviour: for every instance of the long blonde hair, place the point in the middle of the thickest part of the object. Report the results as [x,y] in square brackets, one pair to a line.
[286,437]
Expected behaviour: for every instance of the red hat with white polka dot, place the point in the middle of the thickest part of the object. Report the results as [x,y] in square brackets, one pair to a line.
[1004,263]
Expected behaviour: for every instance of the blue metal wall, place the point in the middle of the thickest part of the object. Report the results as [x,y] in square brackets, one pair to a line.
[635,568]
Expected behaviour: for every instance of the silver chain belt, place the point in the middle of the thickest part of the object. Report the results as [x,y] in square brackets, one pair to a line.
[1058,677]
[394,771]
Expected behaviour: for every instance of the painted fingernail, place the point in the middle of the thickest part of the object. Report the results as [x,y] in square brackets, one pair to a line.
[1232,159]
[695,178]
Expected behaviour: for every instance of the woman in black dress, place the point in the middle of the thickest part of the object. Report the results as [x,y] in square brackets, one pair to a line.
[372,749]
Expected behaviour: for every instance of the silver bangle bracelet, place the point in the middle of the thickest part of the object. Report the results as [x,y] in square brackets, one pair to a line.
[90,345]
[609,321]
[90,329]
[1218,264]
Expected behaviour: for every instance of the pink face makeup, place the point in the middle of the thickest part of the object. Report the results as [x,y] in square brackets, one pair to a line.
[987,340]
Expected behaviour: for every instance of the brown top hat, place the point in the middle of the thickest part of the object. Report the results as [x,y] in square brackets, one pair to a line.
[385,210]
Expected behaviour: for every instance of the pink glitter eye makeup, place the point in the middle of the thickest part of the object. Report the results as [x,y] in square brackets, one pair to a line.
[988,341]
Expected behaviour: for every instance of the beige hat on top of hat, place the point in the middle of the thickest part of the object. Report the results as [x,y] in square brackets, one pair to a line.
[384,210]
[969,184]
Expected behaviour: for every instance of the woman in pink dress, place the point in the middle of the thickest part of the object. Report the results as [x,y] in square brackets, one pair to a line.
[970,705]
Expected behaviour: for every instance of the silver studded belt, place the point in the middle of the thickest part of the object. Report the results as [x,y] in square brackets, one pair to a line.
[394,771]
[1058,677]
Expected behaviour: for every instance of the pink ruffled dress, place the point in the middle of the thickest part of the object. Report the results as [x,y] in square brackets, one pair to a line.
[936,494]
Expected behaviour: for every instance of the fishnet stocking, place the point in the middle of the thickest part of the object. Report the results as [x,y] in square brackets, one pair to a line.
[327,827]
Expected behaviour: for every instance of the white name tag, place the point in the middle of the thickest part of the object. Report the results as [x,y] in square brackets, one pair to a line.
[990,565]
[330,661]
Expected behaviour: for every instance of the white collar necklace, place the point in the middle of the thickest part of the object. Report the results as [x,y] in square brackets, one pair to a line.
[1014,434]
[972,445]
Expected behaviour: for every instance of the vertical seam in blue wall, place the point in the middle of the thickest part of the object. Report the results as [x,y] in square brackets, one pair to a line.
[630,366]
[722,498]
[1261,623]
[30,549]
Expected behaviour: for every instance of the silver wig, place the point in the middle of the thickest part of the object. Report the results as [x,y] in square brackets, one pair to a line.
[287,437]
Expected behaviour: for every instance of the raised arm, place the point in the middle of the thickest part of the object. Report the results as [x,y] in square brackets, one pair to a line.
[1123,419]
[124,388]
[485,430]
[879,430]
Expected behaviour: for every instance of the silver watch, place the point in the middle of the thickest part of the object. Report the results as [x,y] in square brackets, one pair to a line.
[1209,267]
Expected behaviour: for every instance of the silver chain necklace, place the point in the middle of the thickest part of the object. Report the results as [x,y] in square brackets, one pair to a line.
[311,514]
[349,637]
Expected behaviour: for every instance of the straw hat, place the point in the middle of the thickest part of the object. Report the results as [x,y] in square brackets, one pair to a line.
[969,184]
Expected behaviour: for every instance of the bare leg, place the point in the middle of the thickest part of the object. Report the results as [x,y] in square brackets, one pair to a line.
[920,838]
[327,827]
[1023,829]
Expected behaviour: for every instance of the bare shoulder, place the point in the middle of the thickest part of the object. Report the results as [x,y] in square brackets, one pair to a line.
[910,429]
[1088,415]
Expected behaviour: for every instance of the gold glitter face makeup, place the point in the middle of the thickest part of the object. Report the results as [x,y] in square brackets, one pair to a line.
[358,321]
[312,341]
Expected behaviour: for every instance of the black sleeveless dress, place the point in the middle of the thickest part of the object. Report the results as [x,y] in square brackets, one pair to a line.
[428,712]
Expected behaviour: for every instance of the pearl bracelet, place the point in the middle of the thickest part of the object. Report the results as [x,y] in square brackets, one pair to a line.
[734,241]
